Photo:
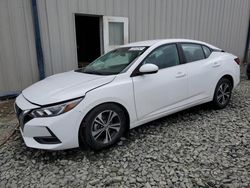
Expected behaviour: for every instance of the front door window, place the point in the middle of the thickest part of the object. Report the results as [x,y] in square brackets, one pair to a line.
[164,56]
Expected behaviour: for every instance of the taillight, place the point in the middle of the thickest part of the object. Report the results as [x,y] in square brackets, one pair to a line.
[237,60]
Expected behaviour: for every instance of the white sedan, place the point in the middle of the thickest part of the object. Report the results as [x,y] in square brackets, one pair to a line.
[125,88]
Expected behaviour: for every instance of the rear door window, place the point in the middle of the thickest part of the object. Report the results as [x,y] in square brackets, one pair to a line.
[164,56]
[193,52]
[207,51]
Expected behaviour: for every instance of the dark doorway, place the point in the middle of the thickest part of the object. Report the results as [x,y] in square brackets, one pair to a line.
[87,39]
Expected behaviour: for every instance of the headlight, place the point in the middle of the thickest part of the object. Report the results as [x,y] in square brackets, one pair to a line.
[55,110]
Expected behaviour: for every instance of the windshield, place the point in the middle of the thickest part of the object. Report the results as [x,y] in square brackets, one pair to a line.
[113,62]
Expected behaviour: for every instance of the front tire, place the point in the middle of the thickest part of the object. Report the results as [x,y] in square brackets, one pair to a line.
[222,93]
[103,126]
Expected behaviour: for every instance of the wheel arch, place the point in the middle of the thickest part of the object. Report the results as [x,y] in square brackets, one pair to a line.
[216,104]
[115,103]
[229,77]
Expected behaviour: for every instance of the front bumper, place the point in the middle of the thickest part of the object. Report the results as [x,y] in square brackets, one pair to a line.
[49,133]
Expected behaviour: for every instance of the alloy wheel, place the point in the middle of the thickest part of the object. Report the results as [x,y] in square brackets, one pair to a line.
[106,126]
[223,94]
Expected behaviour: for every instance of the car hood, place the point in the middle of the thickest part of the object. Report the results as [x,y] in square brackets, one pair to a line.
[64,86]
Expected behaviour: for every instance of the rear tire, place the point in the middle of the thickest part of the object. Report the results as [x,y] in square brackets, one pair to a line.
[103,126]
[222,93]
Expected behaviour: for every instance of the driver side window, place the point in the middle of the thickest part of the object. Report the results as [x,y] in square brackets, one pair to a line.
[164,56]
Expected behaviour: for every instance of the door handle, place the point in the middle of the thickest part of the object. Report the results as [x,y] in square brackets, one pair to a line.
[216,64]
[180,74]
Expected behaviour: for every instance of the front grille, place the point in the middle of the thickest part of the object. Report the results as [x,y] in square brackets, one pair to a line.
[27,118]
[17,110]
[23,116]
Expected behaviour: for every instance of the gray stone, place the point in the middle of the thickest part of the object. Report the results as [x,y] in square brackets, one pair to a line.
[94,182]
[147,185]
[140,180]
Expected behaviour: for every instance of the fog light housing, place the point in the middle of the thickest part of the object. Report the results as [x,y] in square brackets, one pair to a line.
[48,139]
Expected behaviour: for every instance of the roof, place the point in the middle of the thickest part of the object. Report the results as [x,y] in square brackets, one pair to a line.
[143,43]
[152,42]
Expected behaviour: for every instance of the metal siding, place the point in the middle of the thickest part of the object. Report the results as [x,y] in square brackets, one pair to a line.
[54,36]
[92,4]
[83,6]
[30,41]
[151,22]
[17,48]
[132,23]
[109,7]
[100,7]
[157,20]
[138,20]
[207,20]
[169,18]
[222,23]
[145,19]
[117,7]
[44,26]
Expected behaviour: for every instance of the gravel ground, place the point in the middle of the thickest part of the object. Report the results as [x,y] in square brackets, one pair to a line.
[199,147]
[7,119]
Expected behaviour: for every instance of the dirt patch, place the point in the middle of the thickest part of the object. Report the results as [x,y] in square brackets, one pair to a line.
[8,119]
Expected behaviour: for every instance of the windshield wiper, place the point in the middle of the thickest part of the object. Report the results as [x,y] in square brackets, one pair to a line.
[93,72]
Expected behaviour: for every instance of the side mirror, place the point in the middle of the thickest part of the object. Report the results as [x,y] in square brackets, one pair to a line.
[148,69]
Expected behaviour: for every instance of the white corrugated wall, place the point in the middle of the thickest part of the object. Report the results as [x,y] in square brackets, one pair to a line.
[18,66]
[223,23]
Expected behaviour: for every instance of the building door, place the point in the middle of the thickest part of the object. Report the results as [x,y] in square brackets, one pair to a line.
[115,32]
[96,35]
[88,38]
